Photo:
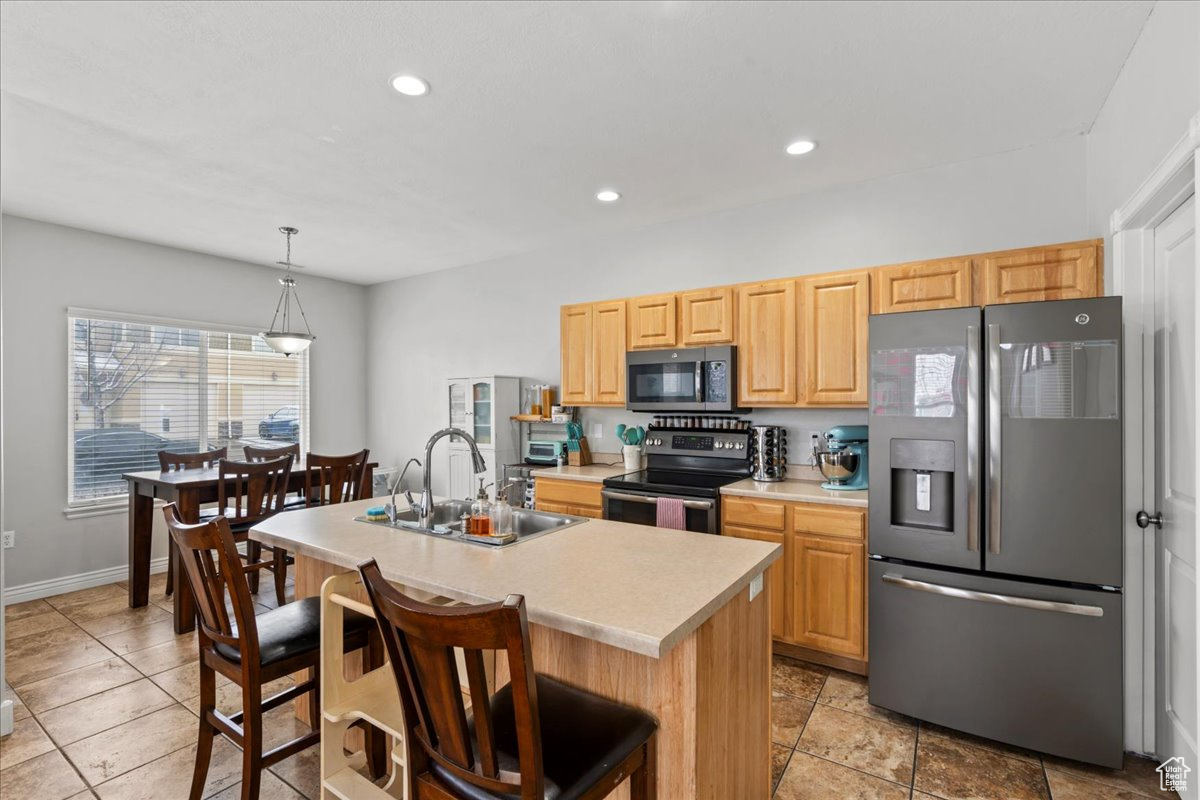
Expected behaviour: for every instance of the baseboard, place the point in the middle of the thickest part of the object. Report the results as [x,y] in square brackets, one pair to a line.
[71,583]
[845,663]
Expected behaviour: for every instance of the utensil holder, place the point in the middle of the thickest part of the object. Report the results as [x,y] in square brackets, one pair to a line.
[632,454]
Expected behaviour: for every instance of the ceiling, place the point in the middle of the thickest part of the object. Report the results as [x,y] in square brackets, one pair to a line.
[205,126]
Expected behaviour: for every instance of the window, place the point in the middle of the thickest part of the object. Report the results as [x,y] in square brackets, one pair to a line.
[137,387]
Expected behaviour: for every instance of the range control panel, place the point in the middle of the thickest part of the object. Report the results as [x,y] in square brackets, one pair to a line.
[723,444]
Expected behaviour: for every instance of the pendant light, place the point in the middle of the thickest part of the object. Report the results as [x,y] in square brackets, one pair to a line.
[282,338]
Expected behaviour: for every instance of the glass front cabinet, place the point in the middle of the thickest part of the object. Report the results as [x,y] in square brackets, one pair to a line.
[483,407]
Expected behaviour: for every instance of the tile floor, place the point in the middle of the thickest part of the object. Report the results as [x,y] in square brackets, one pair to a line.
[106,699]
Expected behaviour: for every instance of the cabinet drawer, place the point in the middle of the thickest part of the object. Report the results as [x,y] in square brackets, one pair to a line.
[575,493]
[829,521]
[756,513]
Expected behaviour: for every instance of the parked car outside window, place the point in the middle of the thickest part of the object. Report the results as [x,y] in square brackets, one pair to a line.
[283,423]
[102,456]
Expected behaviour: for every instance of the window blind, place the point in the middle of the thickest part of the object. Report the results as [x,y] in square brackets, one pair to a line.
[136,388]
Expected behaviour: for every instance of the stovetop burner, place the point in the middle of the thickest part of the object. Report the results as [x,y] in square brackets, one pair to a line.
[660,481]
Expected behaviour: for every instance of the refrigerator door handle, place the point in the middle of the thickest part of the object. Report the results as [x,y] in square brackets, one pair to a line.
[990,597]
[994,438]
[973,384]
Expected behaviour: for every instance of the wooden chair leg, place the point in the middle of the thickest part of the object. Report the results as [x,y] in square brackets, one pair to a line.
[252,740]
[170,566]
[253,556]
[280,570]
[375,741]
[314,700]
[204,741]
[643,783]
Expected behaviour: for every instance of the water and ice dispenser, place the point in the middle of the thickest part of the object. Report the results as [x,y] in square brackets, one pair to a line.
[922,489]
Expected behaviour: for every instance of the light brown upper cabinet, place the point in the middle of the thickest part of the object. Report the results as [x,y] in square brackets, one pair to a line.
[593,354]
[835,308]
[608,353]
[575,325]
[1058,272]
[652,322]
[922,286]
[707,317]
[767,343]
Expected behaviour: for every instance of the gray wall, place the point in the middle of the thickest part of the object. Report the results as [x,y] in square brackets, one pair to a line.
[48,268]
[501,317]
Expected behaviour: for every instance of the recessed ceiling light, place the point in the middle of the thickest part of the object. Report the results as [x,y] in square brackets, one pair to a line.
[801,147]
[410,85]
[608,196]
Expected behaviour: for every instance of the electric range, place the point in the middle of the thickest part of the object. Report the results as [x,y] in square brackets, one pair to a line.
[682,463]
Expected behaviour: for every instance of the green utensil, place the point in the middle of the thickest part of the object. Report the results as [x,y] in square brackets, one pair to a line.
[621,432]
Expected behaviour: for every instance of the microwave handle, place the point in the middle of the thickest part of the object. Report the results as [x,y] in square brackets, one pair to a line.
[703,505]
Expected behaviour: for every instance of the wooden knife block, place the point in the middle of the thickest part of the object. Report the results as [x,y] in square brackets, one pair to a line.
[581,457]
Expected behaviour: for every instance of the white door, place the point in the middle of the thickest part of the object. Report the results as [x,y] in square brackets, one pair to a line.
[1175,358]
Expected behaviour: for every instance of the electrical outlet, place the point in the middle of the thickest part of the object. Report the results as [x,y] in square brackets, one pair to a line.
[597,431]
[10,538]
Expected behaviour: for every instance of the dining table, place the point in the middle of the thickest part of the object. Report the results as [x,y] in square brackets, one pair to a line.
[188,489]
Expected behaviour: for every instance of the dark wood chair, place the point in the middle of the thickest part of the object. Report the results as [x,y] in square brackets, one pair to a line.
[247,493]
[173,462]
[267,454]
[536,738]
[251,651]
[335,479]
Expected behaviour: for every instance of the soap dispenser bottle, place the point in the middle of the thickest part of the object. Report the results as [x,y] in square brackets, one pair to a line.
[502,513]
[480,523]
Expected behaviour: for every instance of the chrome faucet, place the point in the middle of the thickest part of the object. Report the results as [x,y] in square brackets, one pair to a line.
[424,509]
[412,504]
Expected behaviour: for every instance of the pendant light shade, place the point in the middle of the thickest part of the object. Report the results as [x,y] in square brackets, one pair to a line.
[282,337]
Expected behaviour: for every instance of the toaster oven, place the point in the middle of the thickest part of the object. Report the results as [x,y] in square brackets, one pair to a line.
[544,451]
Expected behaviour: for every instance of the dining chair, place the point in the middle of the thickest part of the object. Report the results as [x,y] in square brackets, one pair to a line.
[266,454]
[173,462]
[247,493]
[535,738]
[252,651]
[335,479]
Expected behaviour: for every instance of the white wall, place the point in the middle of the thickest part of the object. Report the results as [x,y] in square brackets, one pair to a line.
[47,268]
[1155,96]
[501,317]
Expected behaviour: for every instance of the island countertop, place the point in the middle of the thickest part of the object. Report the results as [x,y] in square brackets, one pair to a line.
[633,587]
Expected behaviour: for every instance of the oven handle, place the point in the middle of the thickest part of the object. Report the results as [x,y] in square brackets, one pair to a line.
[705,505]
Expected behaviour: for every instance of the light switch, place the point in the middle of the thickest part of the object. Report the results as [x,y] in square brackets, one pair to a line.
[923,503]
[756,586]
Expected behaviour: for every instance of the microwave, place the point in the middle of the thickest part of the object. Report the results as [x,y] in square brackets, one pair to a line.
[544,451]
[685,379]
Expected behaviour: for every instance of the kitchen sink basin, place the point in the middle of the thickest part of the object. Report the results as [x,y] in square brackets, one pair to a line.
[447,523]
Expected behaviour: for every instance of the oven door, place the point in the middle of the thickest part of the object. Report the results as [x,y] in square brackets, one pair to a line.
[642,509]
[665,380]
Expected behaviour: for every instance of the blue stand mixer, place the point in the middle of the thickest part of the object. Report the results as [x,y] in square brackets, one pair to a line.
[844,461]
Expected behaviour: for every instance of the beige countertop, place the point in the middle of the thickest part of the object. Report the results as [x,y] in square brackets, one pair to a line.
[796,491]
[634,587]
[593,473]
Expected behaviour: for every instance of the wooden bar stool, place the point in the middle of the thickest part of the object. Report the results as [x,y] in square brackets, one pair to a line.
[247,493]
[534,739]
[250,651]
[173,462]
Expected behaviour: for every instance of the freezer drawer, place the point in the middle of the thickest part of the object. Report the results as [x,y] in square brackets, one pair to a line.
[1032,665]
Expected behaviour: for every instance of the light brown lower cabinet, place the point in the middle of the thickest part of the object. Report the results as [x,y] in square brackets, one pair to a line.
[818,587]
[580,498]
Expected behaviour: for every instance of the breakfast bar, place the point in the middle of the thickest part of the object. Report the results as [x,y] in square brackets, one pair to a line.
[675,623]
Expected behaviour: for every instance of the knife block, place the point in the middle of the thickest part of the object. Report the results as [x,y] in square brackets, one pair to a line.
[581,457]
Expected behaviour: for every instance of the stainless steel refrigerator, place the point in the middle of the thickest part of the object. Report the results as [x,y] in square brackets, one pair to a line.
[995,522]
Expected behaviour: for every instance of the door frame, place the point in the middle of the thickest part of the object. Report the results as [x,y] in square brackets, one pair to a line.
[1132,227]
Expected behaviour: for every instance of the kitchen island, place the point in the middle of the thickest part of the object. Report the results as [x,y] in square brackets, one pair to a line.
[672,622]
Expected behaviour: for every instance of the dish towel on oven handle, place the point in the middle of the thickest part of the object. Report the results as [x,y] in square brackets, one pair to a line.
[670,513]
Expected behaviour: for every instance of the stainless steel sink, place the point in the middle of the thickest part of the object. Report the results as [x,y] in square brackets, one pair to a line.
[447,523]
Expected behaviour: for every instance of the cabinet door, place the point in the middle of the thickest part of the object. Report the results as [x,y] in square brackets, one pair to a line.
[482,405]
[835,308]
[1056,272]
[459,409]
[652,322]
[608,353]
[707,317]
[827,611]
[463,486]
[777,574]
[922,287]
[576,341]
[767,343]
